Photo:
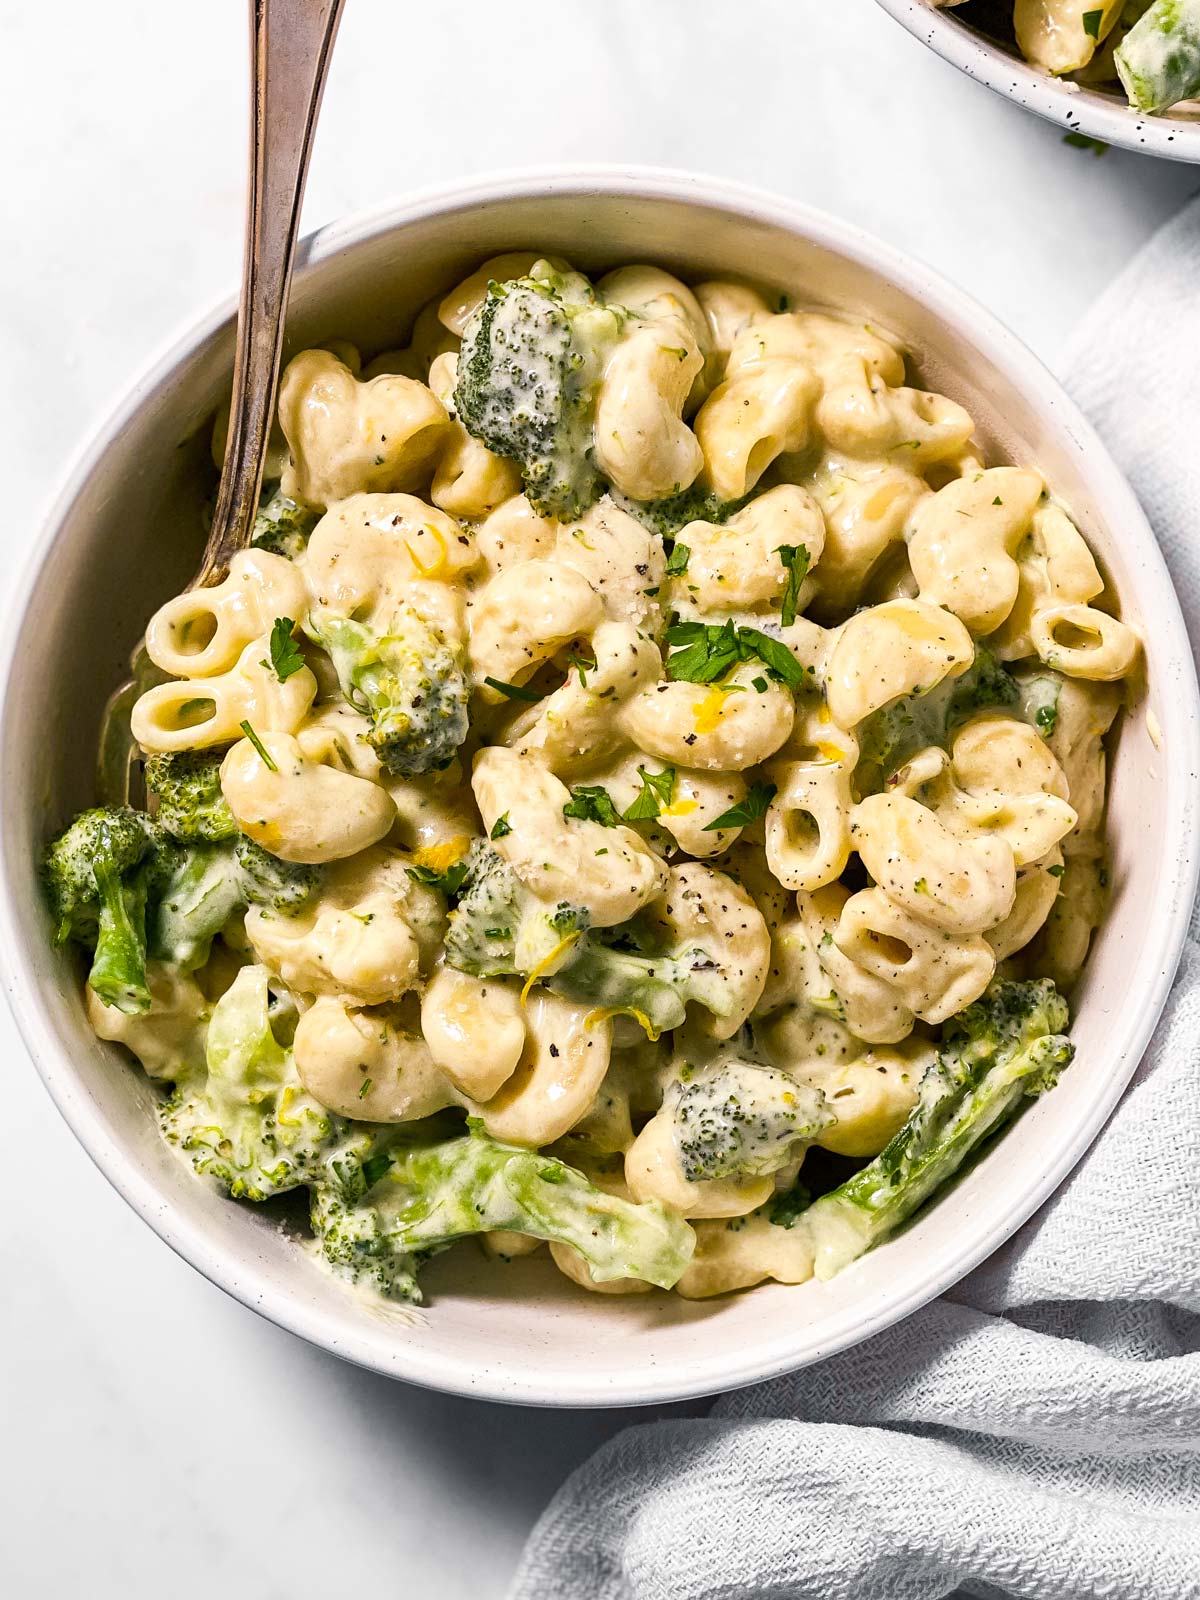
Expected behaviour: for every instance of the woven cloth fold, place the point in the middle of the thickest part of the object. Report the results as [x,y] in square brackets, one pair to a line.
[1036,1433]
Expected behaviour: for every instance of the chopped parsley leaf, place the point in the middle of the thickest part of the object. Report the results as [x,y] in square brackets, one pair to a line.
[703,652]
[448,882]
[591,802]
[774,655]
[582,666]
[516,691]
[796,562]
[1084,141]
[658,788]
[500,827]
[286,656]
[258,745]
[677,561]
[748,810]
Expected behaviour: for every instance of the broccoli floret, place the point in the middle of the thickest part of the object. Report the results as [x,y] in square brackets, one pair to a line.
[190,803]
[199,896]
[97,876]
[408,682]
[1039,691]
[983,686]
[1007,1045]
[432,1195]
[481,937]
[530,361]
[499,927]
[283,886]
[653,987]
[356,1243]
[282,526]
[209,884]
[667,517]
[787,1208]
[744,1119]
[893,735]
[249,1122]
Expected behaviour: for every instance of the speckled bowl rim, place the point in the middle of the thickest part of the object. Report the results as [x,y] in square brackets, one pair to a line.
[1072,107]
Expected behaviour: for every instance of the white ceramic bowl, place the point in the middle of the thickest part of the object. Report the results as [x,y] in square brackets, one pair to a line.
[1100,113]
[125,535]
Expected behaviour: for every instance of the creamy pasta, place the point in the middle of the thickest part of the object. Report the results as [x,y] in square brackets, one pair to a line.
[1146,50]
[642,792]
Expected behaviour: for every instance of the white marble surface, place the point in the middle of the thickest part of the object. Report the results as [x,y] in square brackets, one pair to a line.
[155,1437]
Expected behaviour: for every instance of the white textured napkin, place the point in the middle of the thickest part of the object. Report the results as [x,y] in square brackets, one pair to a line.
[1037,1432]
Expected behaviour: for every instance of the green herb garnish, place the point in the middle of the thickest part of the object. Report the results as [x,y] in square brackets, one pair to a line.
[582,666]
[1084,141]
[258,745]
[516,691]
[658,788]
[796,561]
[374,1168]
[677,561]
[774,655]
[706,652]
[748,810]
[590,802]
[501,826]
[286,655]
[448,882]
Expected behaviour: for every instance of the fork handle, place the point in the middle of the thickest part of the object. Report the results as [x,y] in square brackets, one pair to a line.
[291,45]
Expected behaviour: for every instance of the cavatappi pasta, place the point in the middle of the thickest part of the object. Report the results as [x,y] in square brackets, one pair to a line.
[1145,50]
[649,764]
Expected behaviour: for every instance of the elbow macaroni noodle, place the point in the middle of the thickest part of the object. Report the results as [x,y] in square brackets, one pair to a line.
[821,908]
[1146,52]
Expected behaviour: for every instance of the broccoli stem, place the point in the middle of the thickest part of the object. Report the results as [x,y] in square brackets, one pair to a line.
[118,972]
[474,1185]
[970,1090]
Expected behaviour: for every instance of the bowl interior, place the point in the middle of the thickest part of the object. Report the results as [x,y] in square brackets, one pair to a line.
[978,38]
[127,535]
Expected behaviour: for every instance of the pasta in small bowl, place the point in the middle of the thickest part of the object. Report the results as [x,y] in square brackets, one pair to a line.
[643,815]
[1123,72]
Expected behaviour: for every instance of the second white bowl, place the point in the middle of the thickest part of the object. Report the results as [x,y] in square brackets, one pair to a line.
[1099,113]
